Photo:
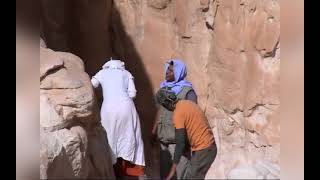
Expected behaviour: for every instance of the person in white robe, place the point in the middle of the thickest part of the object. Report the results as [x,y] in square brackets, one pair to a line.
[119,116]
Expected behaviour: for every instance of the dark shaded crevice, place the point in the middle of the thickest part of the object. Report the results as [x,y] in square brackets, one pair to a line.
[256,106]
[209,26]
[235,111]
[53,21]
[262,146]
[206,9]
[79,27]
[186,37]
[145,104]
[51,71]
[54,168]
[273,52]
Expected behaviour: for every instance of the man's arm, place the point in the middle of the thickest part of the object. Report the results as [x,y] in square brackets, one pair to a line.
[180,145]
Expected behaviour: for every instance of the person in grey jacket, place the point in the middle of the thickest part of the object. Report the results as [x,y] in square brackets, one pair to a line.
[163,130]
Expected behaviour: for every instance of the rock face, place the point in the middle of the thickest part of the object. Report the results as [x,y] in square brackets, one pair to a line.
[73,142]
[232,52]
[260,170]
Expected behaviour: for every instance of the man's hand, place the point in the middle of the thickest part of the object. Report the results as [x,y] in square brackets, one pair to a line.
[172,171]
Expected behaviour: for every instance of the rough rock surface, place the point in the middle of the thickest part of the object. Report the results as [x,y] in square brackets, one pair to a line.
[232,51]
[72,140]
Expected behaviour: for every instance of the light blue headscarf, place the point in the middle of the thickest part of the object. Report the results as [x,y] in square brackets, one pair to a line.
[180,72]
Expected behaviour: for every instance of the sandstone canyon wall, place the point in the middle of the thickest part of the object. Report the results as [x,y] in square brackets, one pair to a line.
[72,140]
[232,52]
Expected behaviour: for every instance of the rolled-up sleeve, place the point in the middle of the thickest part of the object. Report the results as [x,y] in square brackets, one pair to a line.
[95,83]
[95,80]
[191,95]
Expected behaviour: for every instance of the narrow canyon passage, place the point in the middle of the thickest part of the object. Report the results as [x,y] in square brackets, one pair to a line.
[85,30]
[232,53]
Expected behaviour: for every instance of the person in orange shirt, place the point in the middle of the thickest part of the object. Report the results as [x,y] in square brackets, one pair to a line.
[192,130]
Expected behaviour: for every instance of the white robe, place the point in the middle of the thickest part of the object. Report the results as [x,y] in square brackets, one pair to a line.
[118,113]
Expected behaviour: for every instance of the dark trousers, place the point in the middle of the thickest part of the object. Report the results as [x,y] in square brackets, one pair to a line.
[200,162]
[166,157]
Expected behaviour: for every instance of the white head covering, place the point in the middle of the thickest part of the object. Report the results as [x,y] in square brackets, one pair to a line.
[114,64]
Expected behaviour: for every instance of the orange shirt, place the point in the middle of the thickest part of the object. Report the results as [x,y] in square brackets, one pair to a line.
[188,115]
